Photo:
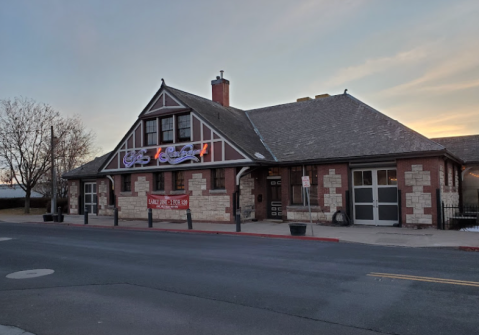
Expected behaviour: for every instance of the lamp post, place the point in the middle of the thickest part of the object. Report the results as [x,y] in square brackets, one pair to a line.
[54,188]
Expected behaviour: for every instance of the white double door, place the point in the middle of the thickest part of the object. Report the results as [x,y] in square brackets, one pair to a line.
[375,197]
[90,197]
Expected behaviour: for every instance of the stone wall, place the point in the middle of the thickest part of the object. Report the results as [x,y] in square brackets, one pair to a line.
[73,193]
[205,204]
[418,200]
[247,198]
[103,197]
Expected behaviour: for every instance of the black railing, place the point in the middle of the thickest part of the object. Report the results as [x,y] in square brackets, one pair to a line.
[459,217]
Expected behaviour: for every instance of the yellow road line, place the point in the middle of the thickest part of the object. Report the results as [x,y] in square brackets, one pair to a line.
[425,279]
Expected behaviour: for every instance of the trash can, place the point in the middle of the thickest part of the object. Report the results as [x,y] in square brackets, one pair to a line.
[297,229]
[47,217]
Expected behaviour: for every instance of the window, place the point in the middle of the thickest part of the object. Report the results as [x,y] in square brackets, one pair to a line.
[218,179]
[183,127]
[296,185]
[159,181]
[126,183]
[178,180]
[446,174]
[298,194]
[273,171]
[167,130]
[151,134]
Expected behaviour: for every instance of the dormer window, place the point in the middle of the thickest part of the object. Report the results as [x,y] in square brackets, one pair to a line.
[183,126]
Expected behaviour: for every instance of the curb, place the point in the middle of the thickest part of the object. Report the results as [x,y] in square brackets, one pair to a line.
[464,248]
[212,232]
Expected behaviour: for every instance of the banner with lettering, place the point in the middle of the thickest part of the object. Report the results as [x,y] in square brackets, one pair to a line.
[168,201]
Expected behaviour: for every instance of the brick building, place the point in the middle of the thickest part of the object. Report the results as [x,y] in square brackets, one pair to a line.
[229,160]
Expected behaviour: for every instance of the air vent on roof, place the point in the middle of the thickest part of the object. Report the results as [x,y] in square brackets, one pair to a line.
[320,96]
[258,155]
[303,99]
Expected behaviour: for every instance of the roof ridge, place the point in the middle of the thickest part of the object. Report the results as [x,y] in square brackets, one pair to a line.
[295,102]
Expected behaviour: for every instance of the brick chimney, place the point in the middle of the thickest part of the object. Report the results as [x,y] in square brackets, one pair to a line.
[221,90]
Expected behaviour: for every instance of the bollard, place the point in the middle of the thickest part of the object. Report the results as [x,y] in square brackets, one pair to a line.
[60,215]
[85,217]
[115,217]
[150,218]
[188,218]
[238,222]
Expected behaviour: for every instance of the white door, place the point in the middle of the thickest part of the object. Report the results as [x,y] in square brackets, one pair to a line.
[375,197]
[90,197]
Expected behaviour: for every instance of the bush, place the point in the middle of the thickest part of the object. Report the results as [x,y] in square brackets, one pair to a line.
[7,203]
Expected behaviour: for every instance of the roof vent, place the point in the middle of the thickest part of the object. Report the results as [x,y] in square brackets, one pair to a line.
[320,96]
[303,99]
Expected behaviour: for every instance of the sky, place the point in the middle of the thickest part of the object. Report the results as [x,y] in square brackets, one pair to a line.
[415,61]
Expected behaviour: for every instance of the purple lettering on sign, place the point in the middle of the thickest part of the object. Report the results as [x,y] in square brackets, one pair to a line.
[135,157]
[175,157]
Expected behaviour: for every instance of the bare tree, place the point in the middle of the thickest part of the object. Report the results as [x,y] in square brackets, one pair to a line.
[73,148]
[25,143]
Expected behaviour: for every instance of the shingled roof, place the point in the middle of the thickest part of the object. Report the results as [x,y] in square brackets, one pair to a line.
[230,122]
[335,127]
[88,170]
[464,147]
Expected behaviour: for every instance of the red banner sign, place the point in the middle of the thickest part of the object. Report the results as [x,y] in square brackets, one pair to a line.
[168,201]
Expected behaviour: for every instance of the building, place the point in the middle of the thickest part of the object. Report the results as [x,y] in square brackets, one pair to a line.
[467,149]
[229,160]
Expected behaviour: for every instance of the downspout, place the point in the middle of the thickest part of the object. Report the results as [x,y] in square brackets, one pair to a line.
[237,190]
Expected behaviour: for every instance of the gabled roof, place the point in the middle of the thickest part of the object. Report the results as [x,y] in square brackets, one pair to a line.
[464,147]
[335,127]
[230,122]
[88,170]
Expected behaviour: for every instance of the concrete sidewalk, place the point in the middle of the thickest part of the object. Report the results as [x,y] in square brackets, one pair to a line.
[388,236]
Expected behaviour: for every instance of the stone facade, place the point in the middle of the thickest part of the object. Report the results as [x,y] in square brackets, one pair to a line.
[418,200]
[247,197]
[205,204]
[332,182]
[73,195]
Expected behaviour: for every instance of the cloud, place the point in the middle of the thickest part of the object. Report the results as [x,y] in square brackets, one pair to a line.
[460,62]
[372,66]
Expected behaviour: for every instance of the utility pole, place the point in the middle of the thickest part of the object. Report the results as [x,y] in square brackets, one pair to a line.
[54,188]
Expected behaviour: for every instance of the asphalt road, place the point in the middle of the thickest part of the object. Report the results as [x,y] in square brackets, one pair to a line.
[131,282]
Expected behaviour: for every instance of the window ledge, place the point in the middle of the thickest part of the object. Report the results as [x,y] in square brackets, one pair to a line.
[158,192]
[301,208]
[218,191]
[178,192]
[125,193]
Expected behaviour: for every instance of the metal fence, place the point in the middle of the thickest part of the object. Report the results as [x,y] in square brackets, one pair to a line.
[459,217]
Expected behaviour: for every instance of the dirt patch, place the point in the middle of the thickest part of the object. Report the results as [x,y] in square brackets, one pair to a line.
[20,211]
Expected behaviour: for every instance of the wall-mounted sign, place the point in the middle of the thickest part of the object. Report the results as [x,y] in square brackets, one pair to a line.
[170,155]
[168,201]
[135,157]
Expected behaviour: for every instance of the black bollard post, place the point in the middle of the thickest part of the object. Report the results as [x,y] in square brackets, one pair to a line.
[150,218]
[85,217]
[115,217]
[238,222]
[60,215]
[188,218]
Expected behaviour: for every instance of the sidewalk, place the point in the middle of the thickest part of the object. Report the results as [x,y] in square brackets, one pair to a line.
[387,236]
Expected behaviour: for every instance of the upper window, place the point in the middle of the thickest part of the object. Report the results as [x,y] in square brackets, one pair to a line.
[167,130]
[159,181]
[178,180]
[126,183]
[151,134]
[218,179]
[183,127]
